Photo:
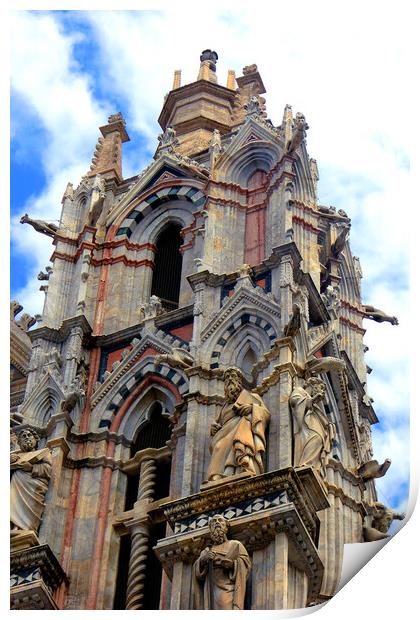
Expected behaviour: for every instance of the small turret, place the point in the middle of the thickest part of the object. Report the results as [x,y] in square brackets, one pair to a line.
[107,159]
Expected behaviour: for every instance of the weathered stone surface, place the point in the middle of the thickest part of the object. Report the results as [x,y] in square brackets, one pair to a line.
[123,377]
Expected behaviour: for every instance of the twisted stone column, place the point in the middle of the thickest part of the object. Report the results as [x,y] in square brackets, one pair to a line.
[140,539]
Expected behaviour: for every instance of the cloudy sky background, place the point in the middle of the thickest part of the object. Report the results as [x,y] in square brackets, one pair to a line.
[343,66]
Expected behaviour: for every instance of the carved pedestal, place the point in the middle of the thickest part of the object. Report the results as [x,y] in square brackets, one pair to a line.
[35,575]
[273,515]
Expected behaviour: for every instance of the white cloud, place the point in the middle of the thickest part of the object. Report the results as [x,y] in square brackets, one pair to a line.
[48,81]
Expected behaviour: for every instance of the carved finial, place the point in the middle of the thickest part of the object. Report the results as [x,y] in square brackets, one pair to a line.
[152,308]
[249,69]
[107,156]
[68,193]
[15,308]
[208,61]
[253,107]
[116,118]
[168,142]
[177,79]
[231,79]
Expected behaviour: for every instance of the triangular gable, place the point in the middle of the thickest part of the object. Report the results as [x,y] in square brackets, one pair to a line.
[252,131]
[165,165]
[47,394]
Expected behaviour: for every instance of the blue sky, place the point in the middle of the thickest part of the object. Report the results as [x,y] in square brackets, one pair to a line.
[71,69]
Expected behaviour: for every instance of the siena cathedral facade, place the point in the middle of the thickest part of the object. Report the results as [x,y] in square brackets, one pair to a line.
[190,422]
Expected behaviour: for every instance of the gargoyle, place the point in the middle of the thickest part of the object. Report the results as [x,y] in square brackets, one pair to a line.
[73,394]
[339,244]
[299,132]
[324,364]
[45,228]
[381,522]
[292,327]
[45,275]
[370,312]
[177,357]
[372,469]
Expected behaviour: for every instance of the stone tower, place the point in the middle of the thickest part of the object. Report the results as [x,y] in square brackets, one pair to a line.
[217,256]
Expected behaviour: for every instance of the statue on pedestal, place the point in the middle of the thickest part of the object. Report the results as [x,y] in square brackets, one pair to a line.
[313,432]
[238,432]
[221,571]
[30,474]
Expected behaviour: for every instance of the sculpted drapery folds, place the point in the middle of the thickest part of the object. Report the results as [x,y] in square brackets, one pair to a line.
[221,571]
[238,432]
[31,471]
[313,432]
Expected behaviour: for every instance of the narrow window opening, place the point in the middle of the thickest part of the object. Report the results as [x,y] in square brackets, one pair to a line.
[166,281]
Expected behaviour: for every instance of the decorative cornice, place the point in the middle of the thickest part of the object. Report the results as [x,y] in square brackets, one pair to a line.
[52,334]
[40,557]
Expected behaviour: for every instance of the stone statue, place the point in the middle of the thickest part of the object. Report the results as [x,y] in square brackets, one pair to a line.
[381,522]
[370,312]
[313,432]
[40,226]
[221,571]
[31,471]
[238,432]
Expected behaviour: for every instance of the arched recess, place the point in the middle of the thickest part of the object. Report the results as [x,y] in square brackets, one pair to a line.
[248,328]
[255,221]
[166,280]
[247,357]
[147,424]
[119,414]
[140,207]
[252,156]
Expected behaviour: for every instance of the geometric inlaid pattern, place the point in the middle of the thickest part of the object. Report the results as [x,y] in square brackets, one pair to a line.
[166,194]
[25,577]
[243,508]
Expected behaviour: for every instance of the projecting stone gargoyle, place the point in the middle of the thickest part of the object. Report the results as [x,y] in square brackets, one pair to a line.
[370,312]
[293,325]
[177,357]
[372,469]
[299,132]
[45,228]
[315,365]
[339,244]
[381,522]
[45,275]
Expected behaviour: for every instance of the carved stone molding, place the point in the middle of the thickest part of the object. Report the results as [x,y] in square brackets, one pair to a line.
[35,574]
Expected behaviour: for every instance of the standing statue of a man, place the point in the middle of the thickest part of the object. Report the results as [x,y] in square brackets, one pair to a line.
[31,471]
[313,432]
[238,432]
[221,571]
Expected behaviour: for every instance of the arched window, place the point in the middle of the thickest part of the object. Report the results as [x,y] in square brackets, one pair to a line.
[255,218]
[153,433]
[168,265]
